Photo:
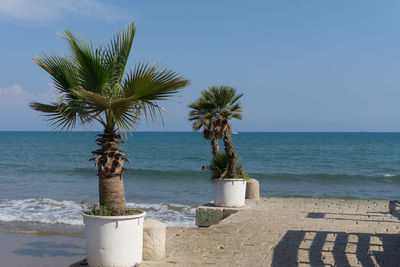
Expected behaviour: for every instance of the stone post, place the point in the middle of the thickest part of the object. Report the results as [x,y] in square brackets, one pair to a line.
[252,189]
[154,238]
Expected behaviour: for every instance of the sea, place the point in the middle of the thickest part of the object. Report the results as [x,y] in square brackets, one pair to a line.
[47,180]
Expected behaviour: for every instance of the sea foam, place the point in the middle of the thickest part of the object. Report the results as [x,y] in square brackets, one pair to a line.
[388,175]
[45,210]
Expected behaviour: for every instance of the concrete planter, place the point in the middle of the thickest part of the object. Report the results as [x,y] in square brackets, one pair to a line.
[229,192]
[114,240]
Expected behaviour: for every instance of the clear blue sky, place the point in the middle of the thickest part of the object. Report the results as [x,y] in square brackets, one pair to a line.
[302,65]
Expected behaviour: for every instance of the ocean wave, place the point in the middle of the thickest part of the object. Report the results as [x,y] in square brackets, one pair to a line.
[389,175]
[50,211]
[42,210]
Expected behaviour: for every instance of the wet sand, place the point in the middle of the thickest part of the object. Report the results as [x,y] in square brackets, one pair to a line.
[17,250]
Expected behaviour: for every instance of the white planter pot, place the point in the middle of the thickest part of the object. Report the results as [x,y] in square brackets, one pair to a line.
[229,192]
[114,240]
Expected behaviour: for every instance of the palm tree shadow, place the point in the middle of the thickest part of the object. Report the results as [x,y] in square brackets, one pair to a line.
[394,209]
[50,249]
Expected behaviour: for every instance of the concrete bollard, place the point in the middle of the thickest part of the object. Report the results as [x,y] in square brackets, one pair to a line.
[154,237]
[252,189]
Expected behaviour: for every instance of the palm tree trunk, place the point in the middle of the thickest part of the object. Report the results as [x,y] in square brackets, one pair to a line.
[230,154]
[111,193]
[110,161]
[215,146]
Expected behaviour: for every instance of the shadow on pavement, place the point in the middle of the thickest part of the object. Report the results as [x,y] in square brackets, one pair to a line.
[322,248]
[330,248]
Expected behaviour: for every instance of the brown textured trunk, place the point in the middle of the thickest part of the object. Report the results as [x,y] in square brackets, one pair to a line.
[111,193]
[110,161]
[230,153]
[214,145]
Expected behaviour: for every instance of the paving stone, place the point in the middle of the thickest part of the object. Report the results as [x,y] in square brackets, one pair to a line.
[280,232]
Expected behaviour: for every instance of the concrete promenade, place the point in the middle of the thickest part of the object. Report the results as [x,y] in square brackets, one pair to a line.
[293,232]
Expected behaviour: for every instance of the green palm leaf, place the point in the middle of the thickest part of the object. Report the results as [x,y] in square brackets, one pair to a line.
[117,52]
[61,69]
[63,115]
[152,83]
[92,86]
[93,74]
[216,104]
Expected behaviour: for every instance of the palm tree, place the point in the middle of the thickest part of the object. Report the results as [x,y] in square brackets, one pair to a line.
[94,87]
[202,115]
[213,111]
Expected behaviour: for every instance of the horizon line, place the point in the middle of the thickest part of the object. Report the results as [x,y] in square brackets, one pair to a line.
[80,131]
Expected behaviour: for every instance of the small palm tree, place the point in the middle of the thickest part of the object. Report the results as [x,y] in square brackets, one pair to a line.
[202,115]
[213,111]
[94,87]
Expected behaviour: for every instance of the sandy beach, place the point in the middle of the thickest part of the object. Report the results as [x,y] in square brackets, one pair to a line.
[267,232]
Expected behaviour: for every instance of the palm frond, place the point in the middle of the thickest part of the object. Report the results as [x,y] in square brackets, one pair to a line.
[93,74]
[93,86]
[147,82]
[117,52]
[151,110]
[216,105]
[63,115]
[125,113]
[94,101]
[61,69]
[219,165]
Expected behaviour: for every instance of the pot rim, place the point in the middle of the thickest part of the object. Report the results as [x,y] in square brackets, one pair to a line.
[110,218]
[228,179]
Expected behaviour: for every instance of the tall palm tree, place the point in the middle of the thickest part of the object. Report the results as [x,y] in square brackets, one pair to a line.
[213,111]
[94,87]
